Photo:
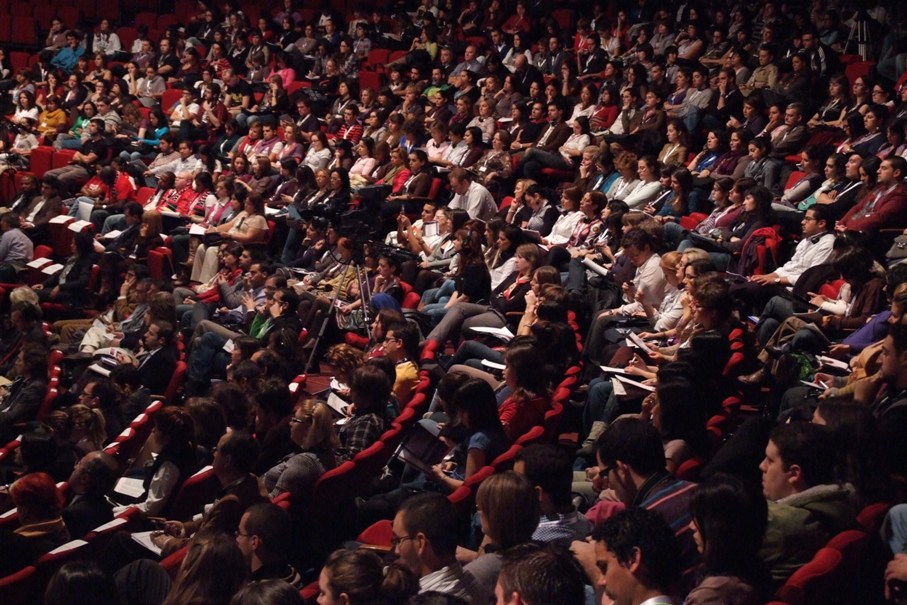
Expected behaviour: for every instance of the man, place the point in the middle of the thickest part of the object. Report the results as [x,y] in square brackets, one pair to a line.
[401,344]
[307,122]
[823,61]
[84,162]
[765,76]
[15,248]
[814,249]
[470,63]
[157,362]
[185,162]
[591,59]
[230,310]
[237,93]
[168,63]
[91,479]
[68,56]
[37,215]
[841,197]
[28,191]
[549,62]
[167,154]
[534,575]
[556,132]
[805,506]
[112,119]
[631,457]
[549,469]
[638,559]
[884,206]
[471,196]
[234,458]
[629,112]
[789,142]
[265,538]
[525,73]
[150,89]
[425,541]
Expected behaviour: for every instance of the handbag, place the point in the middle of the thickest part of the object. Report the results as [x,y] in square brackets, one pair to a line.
[898,250]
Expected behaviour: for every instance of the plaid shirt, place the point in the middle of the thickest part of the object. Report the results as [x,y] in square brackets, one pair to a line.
[360,432]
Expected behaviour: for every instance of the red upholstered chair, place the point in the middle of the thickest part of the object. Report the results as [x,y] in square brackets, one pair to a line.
[534,435]
[17,588]
[872,515]
[198,490]
[505,461]
[377,534]
[815,582]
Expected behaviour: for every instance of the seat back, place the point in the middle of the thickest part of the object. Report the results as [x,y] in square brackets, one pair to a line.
[815,581]
[198,490]
[17,588]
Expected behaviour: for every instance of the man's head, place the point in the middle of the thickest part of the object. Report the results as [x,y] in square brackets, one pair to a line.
[793,115]
[425,533]
[549,469]
[638,246]
[638,556]
[459,180]
[892,170]
[94,475]
[235,455]
[540,575]
[159,334]
[628,453]
[852,167]
[798,456]
[285,301]
[894,355]
[555,112]
[264,535]
[815,221]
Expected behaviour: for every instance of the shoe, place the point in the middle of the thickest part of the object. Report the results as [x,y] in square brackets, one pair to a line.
[588,447]
[756,378]
[775,352]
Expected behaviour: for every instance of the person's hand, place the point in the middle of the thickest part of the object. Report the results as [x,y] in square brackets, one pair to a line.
[817,299]
[865,390]
[346,310]
[37,287]
[221,279]
[636,362]
[55,292]
[839,351]
[175,529]
[896,571]
[403,221]
[159,538]
[605,314]
[826,321]
[648,404]
[247,301]
[762,280]
[629,288]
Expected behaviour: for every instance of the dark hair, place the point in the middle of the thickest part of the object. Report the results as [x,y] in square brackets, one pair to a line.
[475,398]
[242,450]
[267,592]
[272,395]
[548,575]
[634,442]
[432,515]
[273,527]
[81,582]
[549,467]
[644,536]
[524,361]
[372,389]
[810,447]
[731,517]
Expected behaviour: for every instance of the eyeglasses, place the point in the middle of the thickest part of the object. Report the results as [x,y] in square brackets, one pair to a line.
[397,540]
[603,474]
[238,533]
[295,420]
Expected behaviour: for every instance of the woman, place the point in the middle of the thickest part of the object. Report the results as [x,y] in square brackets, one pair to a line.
[167,459]
[675,150]
[566,223]
[79,582]
[871,141]
[757,169]
[502,263]
[757,213]
[679,203]
[506,97]
[374,125]
[509,514]
[370,392]
[895,141]
[796,83]
[39,504]
[494,168]
[312,430]
[626,165]
[517,47]
[812,163]
[861,96]
[677,410]
[471,281]
[567,155]
[475,148]
[831,113]
[212,572]
[607,109]
[338,199]
[529,397]
[247,227]
[649,187]
[365,162]
[26,114]
[484,121]
[319,154]
[475,411]
[69,286]
[708,157]
[361,577]
[88,428]
[509,297]
[729,520]
[835,183]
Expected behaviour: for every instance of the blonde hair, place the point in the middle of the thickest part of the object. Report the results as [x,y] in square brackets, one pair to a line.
[90,421]
[23,294]
[321,434]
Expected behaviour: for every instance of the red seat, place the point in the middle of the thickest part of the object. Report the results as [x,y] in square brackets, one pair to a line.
[814,582]
[5,21]
[41,158]
[160,263]
[17,588]
[534,435]
[176,382]
[146,18]
[197,491]
[377,534]
[170,97]
[505,461]
[62,157]
[872,515]
[24,31]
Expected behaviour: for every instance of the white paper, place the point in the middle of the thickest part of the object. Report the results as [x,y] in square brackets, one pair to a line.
[638,342]
[430,229]
[645,387]
[144,538]
[493,365]
[294,386]
[74,544]
[336,385]
[77,226]
[590,264]
[503,333]
[814,385]
[612,370]
[38,263]
[833,363]
[337,404]
[85,210]
[130,486]
[229,346]
[60,219]
[112,234]
[52,269]
[197,229]
[619,389]
[272,211]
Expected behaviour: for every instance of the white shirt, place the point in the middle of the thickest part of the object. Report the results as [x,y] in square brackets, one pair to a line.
[563,228]
[477,202]
[811,251]
[642,194]
[651,280]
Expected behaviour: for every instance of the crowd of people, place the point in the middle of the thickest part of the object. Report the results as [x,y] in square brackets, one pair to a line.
[692,216]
